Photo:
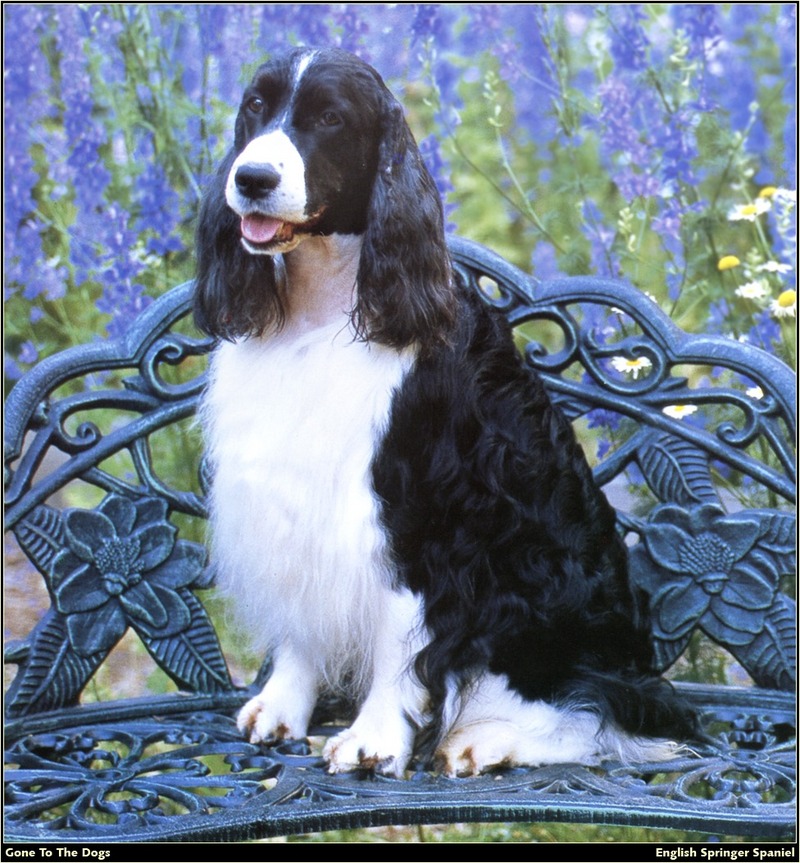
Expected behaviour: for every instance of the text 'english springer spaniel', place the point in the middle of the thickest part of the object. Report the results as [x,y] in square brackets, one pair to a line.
[401,515]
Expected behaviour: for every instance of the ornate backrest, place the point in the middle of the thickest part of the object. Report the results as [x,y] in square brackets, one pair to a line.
[703,431]
[702,474]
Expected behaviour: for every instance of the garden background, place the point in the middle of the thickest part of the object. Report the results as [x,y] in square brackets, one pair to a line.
[654,142]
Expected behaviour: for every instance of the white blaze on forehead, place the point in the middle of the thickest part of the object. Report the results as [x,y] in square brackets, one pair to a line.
[303,64]
[288,200]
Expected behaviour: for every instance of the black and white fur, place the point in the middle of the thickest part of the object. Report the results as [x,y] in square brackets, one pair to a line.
[396,506]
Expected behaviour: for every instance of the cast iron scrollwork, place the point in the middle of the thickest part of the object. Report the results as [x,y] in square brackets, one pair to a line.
[155,778]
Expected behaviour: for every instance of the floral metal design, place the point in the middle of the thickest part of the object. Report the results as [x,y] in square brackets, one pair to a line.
[135,774]
[118,566]
[719,572]
[158,779]
[123,566]
[711,573]
[750,762]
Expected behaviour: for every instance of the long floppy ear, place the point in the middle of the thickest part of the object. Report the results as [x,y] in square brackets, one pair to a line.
[405,291]
[235,293]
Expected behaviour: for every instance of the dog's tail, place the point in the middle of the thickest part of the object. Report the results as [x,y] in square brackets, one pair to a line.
[641,705]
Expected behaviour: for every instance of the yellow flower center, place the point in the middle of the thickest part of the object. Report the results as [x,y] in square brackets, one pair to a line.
[749,210]
[787,299]
[767,191]
[728,262]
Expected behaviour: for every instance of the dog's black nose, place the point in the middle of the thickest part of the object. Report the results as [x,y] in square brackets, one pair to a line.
[256,181]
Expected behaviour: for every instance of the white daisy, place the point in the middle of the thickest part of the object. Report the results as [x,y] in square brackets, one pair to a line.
[678,412]
[749,212]
[755,290]
[774,267]
[632,367]
[785,306]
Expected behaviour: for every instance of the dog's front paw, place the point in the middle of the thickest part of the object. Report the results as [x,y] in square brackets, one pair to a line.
[261,720]
[360,748]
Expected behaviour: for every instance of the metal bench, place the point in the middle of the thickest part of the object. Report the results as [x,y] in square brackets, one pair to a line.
[711,530]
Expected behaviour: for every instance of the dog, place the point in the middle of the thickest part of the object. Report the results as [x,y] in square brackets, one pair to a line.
[399,511]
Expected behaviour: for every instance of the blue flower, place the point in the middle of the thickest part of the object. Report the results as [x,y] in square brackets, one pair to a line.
[699,22]
[211,26]
[353,29]
[427,23]
[676,139]
[766,333]
[28,353]
[631,152]
[602,239]
[122,566]
[431,152]
[629,43]
[158,206]
[26,80]
[544,263]
[718,316]
[123,300]
[603,419]
[24,256]
[483,30]
[604,447]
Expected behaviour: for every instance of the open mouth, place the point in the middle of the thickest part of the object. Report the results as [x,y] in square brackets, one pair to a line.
[263,233]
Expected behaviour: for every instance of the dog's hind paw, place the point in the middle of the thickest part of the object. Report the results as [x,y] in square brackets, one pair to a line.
[467,754]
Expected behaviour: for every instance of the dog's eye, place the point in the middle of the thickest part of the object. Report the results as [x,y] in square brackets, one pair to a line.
[254,105]
[329,118]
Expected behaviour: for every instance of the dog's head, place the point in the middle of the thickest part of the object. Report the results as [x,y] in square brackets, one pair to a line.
[322,147]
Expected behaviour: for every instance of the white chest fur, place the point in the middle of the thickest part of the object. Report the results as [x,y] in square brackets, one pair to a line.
[292,423]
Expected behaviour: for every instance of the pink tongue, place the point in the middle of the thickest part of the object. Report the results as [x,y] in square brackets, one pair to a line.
[258,228]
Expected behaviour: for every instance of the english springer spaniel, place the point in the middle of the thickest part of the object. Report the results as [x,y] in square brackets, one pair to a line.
[398,509]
